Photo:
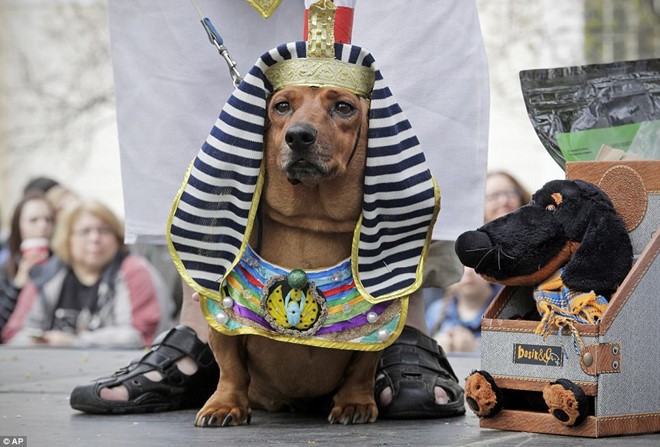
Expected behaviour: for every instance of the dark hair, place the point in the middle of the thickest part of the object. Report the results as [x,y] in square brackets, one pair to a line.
[40,184]
[15,238]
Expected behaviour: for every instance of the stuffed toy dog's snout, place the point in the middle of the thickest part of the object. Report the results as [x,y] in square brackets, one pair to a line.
[473,246]
[515,249]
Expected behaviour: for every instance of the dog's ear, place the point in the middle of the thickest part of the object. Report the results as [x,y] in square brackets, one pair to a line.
[401,203]
[604,257]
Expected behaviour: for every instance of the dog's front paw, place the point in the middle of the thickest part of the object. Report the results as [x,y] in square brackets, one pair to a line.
[353,412]
[222,413]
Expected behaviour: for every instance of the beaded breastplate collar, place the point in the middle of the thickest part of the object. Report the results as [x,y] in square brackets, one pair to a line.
[316,307]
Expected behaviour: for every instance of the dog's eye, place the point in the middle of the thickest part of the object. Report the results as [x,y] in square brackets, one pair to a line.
[552,208]
[344,108]
[282,107]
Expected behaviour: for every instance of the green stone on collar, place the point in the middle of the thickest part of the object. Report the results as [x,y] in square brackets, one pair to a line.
[297,279]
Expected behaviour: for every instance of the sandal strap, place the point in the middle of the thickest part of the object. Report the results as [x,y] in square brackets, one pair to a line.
[140,389]
[172,345]
[404,352]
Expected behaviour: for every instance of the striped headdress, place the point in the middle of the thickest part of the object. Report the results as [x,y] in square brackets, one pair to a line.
[212,216]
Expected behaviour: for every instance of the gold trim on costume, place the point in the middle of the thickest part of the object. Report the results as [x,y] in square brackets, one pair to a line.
[420,268]
[311,341]
[176,259]
[321,29]
[265,7]
[321,72]
[320,68]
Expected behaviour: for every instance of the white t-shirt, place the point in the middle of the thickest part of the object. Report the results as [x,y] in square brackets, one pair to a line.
[170,84]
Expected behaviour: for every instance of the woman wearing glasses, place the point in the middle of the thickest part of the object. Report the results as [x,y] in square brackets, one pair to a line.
[93,292]
[455,319]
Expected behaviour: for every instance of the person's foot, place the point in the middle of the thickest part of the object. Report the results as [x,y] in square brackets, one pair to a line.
[386,395]
[186,365]
[414,380]
[179,371]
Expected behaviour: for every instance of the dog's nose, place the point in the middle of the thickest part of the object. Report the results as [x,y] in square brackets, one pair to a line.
[300,137]
[472,246]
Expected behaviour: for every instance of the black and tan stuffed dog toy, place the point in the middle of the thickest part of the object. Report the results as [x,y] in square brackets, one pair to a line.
[570,244]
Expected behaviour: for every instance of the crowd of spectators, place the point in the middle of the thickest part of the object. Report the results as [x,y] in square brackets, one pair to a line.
[68,279]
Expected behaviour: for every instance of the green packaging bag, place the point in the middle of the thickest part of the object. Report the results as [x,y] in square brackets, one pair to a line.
[575,110]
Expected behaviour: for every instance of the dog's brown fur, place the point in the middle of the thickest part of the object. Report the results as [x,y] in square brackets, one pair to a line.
[311,202]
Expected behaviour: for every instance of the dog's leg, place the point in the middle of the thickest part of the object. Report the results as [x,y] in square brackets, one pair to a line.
[228,405]
[354,402]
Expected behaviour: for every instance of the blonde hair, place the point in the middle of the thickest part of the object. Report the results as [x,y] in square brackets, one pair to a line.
[64,227]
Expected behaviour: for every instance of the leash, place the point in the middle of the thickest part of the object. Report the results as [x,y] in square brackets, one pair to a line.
[216,40]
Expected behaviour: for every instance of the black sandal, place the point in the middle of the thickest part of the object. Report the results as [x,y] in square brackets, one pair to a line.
[412,367]
[175,391]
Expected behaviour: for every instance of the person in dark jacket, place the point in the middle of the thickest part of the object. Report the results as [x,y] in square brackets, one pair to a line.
[27,247]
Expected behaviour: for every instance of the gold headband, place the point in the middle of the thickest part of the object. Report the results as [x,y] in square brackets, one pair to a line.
[320,68]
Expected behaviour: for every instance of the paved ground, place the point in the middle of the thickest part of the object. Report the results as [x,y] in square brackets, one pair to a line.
[35,385]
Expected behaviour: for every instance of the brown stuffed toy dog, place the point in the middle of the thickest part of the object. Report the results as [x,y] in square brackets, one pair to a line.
[572,245]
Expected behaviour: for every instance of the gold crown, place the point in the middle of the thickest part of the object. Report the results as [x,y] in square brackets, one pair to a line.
[320,68]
